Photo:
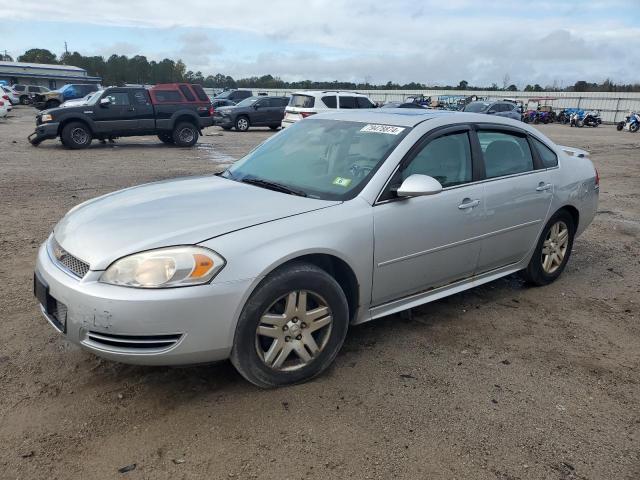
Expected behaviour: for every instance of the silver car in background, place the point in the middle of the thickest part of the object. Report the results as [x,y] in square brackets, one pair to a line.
[337,220]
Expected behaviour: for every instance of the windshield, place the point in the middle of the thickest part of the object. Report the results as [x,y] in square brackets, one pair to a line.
[94,97]
[247,102]
[476,107]
[326,159]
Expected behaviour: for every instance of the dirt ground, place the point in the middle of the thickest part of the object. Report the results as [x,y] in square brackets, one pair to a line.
[501,382]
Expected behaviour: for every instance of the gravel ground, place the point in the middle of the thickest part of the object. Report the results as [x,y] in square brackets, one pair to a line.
[500,382]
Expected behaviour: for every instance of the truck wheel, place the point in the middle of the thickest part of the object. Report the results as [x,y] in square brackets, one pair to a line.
[52,104]
[24,100]
[185,135]
[76,135]
[242,124]
[274,127]
[166,138]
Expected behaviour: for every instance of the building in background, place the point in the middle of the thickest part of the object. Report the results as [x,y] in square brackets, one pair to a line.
[45,75]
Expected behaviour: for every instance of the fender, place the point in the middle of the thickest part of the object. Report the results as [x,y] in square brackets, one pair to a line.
[77,116]
[170,123]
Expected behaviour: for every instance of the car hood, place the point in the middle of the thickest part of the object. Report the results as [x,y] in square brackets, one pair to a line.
[172,212]
[228,108]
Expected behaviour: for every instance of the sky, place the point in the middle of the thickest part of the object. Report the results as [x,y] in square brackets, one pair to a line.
[436,42]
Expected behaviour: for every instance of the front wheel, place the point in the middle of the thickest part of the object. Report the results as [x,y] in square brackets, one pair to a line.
[24,100]
[552,251]
[76,135]
[620,126]
[242,124]
[634,127]
[185,135]
[291,328]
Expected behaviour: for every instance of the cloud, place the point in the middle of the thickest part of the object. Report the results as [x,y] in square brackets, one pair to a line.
[428,41]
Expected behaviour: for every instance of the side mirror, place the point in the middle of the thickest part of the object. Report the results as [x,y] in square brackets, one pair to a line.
[255,106]
[105,102]
[417,185]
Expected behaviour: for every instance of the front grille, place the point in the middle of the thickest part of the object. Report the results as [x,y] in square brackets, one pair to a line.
[131,342]
[68,261]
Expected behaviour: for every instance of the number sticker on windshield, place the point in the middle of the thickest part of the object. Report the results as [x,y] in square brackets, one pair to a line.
[391,130]
[343,182]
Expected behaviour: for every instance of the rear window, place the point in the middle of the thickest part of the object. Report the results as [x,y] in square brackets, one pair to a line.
[186,91]
[168,96]
[200,93]
[330,101]
[348,102]
[302,101]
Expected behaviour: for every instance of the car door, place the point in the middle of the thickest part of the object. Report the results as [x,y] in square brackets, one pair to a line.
[518,193]
[259,112]
[143,110]
[118,117]
[429,241]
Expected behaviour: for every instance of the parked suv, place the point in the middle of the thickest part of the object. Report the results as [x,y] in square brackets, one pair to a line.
[24,92]
[253,111]
[234,95]
[310,102]
[54,98]
[499,108]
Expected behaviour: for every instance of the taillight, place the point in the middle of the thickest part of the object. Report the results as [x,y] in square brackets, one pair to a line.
[1,103]
[307,114]
[597,177]
[211,110]
[6,97]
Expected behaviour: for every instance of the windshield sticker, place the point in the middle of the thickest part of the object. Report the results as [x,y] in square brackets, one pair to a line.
[391,130]
[343,182]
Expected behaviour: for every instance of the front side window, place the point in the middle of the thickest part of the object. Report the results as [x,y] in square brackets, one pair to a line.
[118,98]
[446,158]
[326,159]
[548,156]
[505,153]
[348,102]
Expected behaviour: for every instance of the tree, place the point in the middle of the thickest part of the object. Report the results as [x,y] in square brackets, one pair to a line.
[512,88]
[580,86]
[463,85]
[5,57]
[38,55]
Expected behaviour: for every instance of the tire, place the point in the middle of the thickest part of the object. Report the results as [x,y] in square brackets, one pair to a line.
[620,126]
[76,135]
[253,354]
[242,124]
[539,272]
[634,127]
[166,138]
[24,100]
[580,123]
[274,127]
[185,134]
[51,104]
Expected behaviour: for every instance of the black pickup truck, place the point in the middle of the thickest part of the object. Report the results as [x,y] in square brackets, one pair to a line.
[176,113]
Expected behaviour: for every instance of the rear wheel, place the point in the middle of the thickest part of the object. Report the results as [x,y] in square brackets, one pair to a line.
[619,126]
[76,135]
[291,328]
[242,124]
[274,127]
[166,138]
[185,135]
[634,127]
[24,99]
[552,251]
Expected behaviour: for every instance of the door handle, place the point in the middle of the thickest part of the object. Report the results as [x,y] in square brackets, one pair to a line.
[542,187]
[468,203]
[132,109]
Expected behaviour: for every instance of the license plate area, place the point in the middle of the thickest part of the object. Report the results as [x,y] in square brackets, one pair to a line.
[55,311]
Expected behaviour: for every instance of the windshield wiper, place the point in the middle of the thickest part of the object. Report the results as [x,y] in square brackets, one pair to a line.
[259,182]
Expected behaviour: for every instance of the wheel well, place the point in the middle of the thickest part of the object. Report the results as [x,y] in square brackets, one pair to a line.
[185,118]
[573,211]
[340,271]
[243,115]
[64,123]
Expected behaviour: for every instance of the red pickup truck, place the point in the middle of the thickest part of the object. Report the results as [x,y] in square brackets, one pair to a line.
[175,112]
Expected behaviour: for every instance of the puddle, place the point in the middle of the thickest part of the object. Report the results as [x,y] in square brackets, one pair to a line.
[213,154]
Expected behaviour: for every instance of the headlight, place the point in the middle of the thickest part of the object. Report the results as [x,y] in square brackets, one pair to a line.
[165,267]
[46,117]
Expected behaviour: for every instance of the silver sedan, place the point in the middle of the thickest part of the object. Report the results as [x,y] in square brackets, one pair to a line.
[340,219]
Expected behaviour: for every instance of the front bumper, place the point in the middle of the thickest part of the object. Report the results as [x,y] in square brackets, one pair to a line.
[44,131]
[173,326]
[223,121]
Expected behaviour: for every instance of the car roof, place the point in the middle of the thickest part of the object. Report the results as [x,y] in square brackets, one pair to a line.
[327,92]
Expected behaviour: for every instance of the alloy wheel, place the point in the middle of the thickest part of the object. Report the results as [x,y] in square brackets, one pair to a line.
[79,136]
[293,330]
[555,247]
[186,135]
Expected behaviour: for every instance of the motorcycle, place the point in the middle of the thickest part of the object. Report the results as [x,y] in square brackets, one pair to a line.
[631,122]
[591,118]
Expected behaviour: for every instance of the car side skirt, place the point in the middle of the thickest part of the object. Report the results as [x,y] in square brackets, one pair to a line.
[421,298]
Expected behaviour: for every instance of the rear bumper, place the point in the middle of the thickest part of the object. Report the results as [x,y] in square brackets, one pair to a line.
[287,123]
[205,122]
[44,131]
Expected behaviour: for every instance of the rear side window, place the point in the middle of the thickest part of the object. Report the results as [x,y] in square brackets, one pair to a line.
[548,156]
[364,102]
[505,153]
[302,101]
[348,102]
[19,88]
[200,93]
[330,101]
[186,91]
[166,96]
[141,98]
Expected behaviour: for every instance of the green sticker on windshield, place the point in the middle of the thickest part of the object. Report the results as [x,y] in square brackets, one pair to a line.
[343,182]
